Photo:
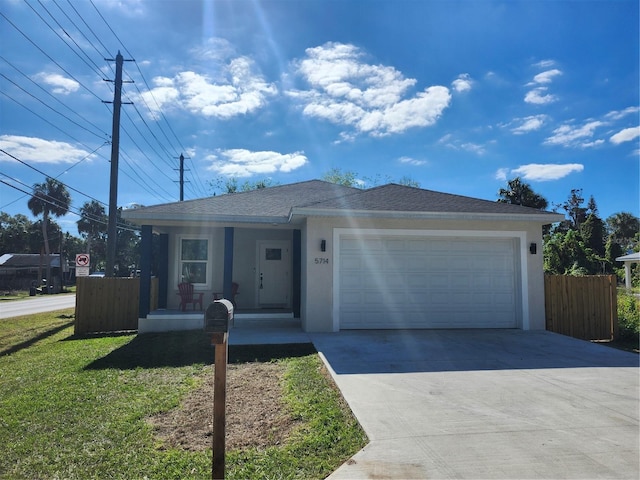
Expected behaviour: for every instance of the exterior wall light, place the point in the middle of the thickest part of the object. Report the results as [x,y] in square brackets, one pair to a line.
[533,248]
[323,245]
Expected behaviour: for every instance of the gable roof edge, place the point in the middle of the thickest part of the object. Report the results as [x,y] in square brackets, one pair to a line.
[542,217]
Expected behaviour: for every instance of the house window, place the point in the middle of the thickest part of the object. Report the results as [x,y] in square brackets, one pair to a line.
[194,257]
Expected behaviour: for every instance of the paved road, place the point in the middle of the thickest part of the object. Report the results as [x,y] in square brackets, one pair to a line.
[45,303]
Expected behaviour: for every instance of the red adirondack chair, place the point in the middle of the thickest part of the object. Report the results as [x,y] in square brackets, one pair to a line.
[187,295]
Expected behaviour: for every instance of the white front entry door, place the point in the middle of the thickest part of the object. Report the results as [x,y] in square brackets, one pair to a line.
[274,273]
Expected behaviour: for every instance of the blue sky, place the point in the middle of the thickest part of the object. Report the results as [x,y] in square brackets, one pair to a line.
[459,96]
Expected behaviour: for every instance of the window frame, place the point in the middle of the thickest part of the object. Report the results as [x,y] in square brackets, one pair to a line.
[207,262]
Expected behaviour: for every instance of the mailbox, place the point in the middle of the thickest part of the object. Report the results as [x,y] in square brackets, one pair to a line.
[218,316]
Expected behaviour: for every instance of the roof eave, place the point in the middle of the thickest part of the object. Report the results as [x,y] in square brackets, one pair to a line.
[542,217]
[177,220]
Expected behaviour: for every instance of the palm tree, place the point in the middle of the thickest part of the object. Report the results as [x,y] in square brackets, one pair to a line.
[49,198]
[93,223]
[520,193]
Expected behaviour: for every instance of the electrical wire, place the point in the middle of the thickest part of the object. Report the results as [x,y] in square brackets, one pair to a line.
[50,107]
[24,75]
[45,198]
[49,57]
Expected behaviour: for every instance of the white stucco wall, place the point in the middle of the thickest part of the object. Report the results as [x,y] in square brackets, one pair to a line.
[318,267]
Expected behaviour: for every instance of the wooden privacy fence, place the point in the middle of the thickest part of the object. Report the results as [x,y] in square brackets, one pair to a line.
[109,304]
[582,307]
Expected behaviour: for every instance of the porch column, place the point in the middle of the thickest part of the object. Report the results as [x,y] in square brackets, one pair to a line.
[297,272]
[227,273]
[627,275]
[163,270]
[145,271]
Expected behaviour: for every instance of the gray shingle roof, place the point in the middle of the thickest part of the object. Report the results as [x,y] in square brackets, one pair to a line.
[268,202]
[276,204]
[400,198]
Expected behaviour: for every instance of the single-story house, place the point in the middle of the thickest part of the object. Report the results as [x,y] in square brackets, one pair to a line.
[21,270]
[338,257]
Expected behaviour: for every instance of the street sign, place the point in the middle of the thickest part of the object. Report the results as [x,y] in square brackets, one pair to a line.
[82,271]
[82,260]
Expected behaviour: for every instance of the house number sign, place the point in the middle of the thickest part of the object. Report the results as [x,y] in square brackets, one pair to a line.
[321,261]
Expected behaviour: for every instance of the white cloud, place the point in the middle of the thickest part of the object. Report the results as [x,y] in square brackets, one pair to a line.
[463,83]
[538,96]
[545,64]
[368,98]
[60,85]
[240,90]
[129,8]
[245,163]
[449,141]
[501,174]
[39,150]
[619,114]
[546,77]
[575,136]
[625,135]
[529,124]
[540,172]
[412,161]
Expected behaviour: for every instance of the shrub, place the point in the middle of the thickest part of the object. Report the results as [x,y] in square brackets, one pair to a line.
[628,314]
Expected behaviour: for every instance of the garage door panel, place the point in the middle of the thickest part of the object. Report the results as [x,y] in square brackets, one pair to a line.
[427,282]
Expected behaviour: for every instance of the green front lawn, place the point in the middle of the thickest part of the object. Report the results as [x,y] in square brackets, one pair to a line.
[77,408]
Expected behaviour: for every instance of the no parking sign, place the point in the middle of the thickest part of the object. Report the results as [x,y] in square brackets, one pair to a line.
[82,264]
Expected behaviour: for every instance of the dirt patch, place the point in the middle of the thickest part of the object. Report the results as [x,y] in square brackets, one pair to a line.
[255,414]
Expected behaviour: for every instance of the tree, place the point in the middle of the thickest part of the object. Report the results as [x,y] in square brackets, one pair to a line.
[573,206]
[93,226]
[230,185]
[351,179]
[520,193]
[593,234]
[622,228]
[128,247]
[347,179]
[49,198]
[15,233]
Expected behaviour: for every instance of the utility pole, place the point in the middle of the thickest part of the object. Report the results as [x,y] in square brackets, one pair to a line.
[112,230]
[181,170]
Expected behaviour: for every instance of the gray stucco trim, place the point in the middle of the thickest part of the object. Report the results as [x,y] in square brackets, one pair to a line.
[542,217]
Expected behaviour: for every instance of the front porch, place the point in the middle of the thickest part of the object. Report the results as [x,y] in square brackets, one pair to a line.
[250,327]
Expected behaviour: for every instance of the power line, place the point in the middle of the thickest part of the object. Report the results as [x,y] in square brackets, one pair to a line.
[50,107]
[53,178]
[97,68]
[41,117]
[84,119]
[106,50]
[49,56]
[72,210]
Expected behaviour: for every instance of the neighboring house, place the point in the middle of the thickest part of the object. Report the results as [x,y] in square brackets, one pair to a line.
[629,260]
[20,270]
[344,258]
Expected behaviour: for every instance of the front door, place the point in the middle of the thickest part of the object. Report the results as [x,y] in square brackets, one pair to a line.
[274,273]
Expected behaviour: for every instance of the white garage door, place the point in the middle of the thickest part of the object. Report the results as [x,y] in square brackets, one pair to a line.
[427,282]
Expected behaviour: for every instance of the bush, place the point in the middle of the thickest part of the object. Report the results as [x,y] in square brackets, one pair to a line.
[628,314]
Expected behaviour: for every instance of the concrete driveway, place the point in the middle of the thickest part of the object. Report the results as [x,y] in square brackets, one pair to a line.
[486,404]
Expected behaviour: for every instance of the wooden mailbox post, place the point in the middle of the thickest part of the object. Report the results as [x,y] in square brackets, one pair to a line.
[217,318]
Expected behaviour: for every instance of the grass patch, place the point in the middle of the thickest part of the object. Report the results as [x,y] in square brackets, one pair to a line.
[9,295]
[77,407]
